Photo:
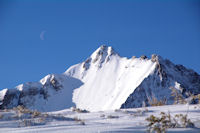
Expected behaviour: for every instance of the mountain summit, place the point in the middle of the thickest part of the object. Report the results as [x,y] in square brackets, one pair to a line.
[105,81]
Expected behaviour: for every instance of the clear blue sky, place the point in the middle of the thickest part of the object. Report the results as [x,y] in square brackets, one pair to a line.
[75,29]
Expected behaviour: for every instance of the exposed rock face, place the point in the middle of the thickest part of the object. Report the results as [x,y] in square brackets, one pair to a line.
[158,84]
[105,81]
[11,99]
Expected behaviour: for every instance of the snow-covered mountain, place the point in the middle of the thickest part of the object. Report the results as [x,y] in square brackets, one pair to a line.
[53,92]
[105,81]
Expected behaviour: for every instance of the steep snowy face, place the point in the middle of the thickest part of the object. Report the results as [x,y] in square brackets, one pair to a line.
[108,79]
[53,92]
[113,82]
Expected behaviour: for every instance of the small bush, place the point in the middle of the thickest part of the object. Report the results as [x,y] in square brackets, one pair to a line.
[82,122]
[31,122]
[198,96]
[22,109]
[112,117]
[42,120]
[77,119]
[35,114]
[155,102]
[26,123]
[45,115]
[102,116]
[1,116]
[140,112]
[117,110]
[126,111]
[161,124]
[79,110]
[26,117]
[178,97]
[194,99]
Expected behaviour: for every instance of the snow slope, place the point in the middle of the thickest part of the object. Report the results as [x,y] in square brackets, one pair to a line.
[123,121]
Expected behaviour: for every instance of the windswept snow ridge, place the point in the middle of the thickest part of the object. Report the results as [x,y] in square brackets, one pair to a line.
[105,81]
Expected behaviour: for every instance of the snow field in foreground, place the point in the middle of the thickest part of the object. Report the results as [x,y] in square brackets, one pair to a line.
[123,120]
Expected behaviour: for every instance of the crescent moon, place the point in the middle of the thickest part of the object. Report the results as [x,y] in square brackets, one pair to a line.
[42,35]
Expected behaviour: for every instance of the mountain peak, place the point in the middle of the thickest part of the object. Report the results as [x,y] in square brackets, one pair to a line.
[102,52]
[102,55]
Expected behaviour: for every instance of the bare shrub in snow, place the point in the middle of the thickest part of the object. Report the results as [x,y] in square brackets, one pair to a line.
[74,109]
[28,117]
[140,111]
[198,96]
[165,121]
[155,102]
[35,113]
[194,99]
[178,97]
[25,117]
[26,123]
[42,119]
[112,117]
[45,115]
[102,116]
[1,116]
[31,122]
[21,110]
[82,122]
[182,121]
[117,110]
